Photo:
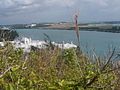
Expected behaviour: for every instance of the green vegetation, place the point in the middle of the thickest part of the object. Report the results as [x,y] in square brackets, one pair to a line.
[57,69]
[8,35]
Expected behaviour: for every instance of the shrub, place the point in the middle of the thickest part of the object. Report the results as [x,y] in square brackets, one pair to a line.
[54,70]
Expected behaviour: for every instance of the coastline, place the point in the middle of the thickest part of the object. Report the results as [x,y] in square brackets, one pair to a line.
[100,27]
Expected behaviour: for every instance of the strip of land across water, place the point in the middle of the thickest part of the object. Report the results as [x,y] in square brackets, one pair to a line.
[101,26]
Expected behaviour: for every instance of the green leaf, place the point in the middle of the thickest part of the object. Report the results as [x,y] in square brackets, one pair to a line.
[15,68]
[10,87]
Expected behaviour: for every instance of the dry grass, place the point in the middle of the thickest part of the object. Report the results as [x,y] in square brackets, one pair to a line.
[57,69]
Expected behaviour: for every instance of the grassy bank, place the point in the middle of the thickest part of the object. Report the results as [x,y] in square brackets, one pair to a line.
[56,69]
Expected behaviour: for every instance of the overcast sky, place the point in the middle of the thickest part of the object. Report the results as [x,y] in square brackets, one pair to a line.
[28,11]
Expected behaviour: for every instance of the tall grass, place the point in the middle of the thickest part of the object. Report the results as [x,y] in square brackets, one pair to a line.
[56,69]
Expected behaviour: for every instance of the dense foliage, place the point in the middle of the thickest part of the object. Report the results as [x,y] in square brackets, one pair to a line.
[8,35]
[57,69]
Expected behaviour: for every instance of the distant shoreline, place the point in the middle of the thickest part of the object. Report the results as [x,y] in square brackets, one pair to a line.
[101,27]
[85,29]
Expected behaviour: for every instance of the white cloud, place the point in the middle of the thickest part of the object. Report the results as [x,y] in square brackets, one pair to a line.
[60,2]
[98,2]
[16,8]
[6,3]
[12,6]
[11,3]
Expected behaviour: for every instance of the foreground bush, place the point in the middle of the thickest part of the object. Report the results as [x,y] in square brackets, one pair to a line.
[55,70]
[8,35]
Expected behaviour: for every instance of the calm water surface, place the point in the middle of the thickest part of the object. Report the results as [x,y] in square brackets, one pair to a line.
[89,40]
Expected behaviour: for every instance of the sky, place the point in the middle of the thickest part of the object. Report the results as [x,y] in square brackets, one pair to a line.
[37,11]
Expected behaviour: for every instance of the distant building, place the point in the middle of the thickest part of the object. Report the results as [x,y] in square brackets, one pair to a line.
[31,25]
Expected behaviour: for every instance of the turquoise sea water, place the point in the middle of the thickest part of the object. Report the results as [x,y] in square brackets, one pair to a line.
[89,40]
